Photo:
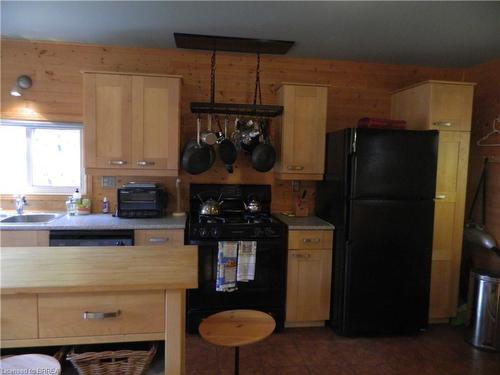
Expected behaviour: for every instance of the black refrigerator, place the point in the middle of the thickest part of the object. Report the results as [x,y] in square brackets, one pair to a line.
[378,191]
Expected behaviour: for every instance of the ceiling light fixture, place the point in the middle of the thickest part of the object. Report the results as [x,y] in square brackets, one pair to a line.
[22,83]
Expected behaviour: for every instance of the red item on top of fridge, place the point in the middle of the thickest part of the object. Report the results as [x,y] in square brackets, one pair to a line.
[381,123]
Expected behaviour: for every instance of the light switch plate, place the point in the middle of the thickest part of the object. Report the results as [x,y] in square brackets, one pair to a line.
[108,182]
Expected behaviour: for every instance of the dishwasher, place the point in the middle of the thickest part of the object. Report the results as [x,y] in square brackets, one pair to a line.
[91,238]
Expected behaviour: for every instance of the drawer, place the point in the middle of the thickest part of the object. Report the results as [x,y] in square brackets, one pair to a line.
[310,239]
[168,237]
[18,238]
[19,317]
[96,314]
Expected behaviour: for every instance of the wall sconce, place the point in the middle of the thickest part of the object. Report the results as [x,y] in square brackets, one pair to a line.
[22,83]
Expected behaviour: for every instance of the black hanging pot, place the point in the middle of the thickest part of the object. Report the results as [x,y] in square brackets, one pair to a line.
[263,155]
[197,157]
[227,151]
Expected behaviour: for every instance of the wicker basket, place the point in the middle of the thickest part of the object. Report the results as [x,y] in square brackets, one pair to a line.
[119,362]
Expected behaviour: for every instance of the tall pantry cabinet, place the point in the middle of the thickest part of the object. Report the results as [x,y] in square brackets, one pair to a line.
[131,123]
[447,107]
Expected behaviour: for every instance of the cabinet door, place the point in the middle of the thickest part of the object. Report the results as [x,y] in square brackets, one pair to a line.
[451,107]
[17,238]
[308,285]
[448,222]
[155,141]
[303,131]
[108,119]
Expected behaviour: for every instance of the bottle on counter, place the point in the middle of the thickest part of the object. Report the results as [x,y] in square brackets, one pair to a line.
[70,206]
[105,205]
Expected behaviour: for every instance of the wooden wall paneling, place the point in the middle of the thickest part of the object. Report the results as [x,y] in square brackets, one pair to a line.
[486,108]
[356,90]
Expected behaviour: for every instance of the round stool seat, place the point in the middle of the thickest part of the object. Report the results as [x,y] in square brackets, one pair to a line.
[235,328]
[43,364]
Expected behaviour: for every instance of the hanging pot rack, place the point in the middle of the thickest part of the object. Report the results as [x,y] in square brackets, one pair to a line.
[231,44]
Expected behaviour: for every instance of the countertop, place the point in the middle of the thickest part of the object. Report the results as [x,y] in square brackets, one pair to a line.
[100,221]
[304,223]
[77,269]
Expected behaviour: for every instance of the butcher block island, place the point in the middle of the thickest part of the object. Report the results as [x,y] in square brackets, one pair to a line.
[87,295]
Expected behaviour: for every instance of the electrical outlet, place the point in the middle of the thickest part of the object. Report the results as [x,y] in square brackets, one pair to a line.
[108,182]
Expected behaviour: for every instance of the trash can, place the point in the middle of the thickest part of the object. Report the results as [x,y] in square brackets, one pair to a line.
[483,318]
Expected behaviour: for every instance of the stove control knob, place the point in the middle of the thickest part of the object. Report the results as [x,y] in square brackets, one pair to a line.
[203,232]
[215,232]
[259,232]
[269,232]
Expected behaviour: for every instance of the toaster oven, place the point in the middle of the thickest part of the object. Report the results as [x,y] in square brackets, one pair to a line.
[141,201]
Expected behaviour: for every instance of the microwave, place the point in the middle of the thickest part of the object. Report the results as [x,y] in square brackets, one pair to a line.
[141,201]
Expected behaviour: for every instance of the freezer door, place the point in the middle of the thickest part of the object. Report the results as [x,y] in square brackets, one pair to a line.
[394,164]
[388,260]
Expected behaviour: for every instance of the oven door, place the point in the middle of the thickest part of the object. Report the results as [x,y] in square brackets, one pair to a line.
[266,292]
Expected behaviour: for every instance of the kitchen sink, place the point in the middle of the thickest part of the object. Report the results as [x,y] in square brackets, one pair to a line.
[30,218]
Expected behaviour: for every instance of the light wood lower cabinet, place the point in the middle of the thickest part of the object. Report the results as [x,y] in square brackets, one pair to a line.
[309,278]
[159,237]
[19,238]
[19,317]
[93,314]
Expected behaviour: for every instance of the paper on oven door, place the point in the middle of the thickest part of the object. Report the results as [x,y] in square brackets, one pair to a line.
[227,259]
[247,253]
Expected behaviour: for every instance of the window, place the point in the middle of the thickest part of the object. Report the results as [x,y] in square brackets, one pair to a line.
[40,157]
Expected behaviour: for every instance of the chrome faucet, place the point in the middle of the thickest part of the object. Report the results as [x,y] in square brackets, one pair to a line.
[20,203]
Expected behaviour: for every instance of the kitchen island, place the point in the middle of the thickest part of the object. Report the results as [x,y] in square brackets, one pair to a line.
[86,295]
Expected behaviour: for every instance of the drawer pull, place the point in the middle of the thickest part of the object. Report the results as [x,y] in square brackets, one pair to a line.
[311,240]
[144,163]
[117,162]
[447,124]
[158,240]
[302,256]
[87,315]
[439,197]
[295,167]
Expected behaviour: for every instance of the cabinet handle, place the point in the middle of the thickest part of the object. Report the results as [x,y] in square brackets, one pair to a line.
[448,124]
[295,167]
[117,162]
[311,240]
[158,240]
[440,197]
[303,256]
[143,163]
[87,315]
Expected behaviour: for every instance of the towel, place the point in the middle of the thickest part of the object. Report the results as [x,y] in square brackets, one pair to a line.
[247,252]
[227,259]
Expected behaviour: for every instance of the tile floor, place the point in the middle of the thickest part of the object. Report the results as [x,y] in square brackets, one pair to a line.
[318,351]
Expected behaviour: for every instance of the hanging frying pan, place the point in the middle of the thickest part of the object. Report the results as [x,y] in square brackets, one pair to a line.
[196,157]
[263,155]
[227,150]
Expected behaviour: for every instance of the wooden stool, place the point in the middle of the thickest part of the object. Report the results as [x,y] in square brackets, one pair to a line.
[235,328]
[45,364]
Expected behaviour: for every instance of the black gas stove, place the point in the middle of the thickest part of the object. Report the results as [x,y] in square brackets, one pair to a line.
[234,222]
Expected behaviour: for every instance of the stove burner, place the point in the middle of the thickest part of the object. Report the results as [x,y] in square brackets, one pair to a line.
[211,219]
[257,218]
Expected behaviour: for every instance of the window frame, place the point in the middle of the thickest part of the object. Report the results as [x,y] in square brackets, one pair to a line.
[30,126]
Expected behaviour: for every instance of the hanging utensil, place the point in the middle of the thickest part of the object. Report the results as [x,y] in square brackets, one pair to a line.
[264,155]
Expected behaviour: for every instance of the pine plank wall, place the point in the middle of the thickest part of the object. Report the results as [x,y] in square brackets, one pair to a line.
[357,89]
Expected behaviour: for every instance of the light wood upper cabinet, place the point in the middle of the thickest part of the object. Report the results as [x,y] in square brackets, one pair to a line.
[108,120]
[440,105]
[155,108]
[131,124]
[309,277]
[449,213]
[301,132]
